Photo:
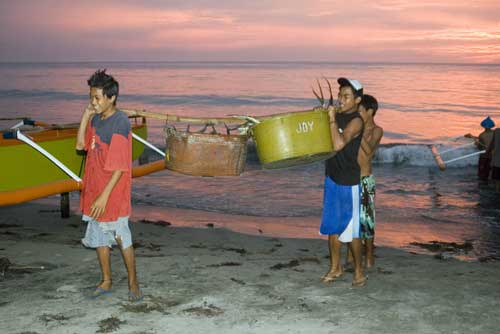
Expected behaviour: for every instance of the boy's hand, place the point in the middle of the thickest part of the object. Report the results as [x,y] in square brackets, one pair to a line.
[89,110]
[332,110]
[97,208]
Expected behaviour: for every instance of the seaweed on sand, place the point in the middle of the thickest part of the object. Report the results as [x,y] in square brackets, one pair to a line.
[109,325]
[441,246]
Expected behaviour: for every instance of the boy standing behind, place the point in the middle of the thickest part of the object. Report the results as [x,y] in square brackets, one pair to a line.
[372,135]
[105,133]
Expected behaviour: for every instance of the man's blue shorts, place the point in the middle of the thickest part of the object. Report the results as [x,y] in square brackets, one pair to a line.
[341,206]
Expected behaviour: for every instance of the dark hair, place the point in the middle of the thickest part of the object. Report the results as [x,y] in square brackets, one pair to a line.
[106,82]
[369,102]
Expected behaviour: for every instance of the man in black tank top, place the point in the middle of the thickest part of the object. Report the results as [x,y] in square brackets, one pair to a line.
[340,220]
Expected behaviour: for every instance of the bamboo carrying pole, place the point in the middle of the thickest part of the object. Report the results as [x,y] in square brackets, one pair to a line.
[234,119]
[177,118]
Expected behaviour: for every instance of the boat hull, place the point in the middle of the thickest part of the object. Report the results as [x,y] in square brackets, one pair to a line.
[22,167]
[64,186]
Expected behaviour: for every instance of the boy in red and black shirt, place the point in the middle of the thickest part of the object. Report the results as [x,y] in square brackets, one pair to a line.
[105,133]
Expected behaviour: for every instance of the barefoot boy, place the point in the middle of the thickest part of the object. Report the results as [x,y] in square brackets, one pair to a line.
[105,134]
[372,134]
[340,220]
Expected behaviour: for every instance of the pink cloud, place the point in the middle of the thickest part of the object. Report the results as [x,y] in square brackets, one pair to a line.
[319,30]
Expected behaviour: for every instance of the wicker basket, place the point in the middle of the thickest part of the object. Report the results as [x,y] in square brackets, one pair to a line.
[205,154]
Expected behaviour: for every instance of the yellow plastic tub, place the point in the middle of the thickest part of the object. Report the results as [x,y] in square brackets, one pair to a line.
[291,139]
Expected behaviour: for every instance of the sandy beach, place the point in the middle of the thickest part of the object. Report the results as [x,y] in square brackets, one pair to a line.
[213,280]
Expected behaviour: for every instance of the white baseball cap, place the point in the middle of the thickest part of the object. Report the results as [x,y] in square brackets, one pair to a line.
[355,84]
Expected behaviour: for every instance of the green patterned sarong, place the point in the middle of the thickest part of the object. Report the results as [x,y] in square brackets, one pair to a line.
[367,212]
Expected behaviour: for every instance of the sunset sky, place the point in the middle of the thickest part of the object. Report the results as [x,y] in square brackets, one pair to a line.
[450,31]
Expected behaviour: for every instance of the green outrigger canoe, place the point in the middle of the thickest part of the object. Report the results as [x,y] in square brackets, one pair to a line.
[22,167]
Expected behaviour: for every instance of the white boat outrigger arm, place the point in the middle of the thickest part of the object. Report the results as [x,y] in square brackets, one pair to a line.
[148,144]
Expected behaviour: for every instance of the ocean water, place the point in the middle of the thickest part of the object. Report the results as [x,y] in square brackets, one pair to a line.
[420,105]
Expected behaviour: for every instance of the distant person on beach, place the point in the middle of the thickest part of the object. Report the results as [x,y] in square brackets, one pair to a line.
[482,143]
[105,133]
[340,219]
[494,150]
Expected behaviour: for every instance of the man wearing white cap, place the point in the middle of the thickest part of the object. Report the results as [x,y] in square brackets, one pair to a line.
[341,202]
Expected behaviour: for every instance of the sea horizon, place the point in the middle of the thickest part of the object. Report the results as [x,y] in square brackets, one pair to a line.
[326,62]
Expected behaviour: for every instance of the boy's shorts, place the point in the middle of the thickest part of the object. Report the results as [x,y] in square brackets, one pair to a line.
[367,214]
[99,234]
[340,211]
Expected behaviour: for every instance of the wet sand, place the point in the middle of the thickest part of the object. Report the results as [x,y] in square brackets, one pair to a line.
[213,280]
